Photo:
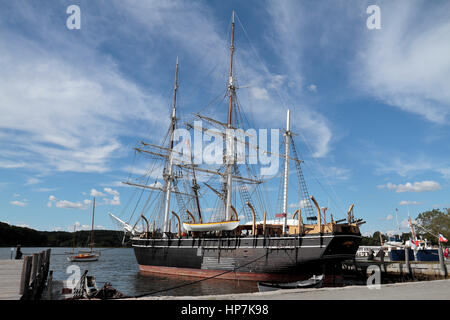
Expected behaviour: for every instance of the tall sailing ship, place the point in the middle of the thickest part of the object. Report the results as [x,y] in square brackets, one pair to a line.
[238,238]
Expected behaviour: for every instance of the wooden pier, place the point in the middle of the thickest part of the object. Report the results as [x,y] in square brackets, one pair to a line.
[24,279]
[10,275]
[415,269]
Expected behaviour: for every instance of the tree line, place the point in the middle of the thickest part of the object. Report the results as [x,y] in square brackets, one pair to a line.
[11,236]
[427,225]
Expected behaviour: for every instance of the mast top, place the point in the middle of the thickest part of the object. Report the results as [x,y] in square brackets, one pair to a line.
[175,88]
[288,121]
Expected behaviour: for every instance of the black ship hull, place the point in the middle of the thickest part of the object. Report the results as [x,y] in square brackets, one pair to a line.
[244,258]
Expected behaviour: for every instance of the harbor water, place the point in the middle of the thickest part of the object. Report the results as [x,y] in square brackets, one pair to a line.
[118,266]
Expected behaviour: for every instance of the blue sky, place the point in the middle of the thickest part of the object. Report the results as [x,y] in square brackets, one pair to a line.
[371,107]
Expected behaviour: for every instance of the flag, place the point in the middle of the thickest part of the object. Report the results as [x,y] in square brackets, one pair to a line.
[442,238]
[280,215]
[414,243]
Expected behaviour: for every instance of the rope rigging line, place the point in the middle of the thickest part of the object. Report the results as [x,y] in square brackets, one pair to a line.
[266,70]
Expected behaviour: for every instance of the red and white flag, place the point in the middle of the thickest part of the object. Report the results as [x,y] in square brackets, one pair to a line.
[414,243]
[442,238]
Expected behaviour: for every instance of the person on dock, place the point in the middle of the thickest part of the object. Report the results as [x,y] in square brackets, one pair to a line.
[370,256]
[18,253]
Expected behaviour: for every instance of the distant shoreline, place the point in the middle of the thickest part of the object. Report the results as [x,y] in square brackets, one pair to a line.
[11,236]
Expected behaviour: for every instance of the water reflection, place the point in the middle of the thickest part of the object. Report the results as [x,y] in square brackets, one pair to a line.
[189,286]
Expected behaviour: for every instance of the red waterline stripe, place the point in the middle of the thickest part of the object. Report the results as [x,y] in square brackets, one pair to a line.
[203,273]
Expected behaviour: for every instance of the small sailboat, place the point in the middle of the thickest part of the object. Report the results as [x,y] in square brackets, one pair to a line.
[87,256]
[314,282]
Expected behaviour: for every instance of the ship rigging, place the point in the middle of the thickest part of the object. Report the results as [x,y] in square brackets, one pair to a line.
[199,239]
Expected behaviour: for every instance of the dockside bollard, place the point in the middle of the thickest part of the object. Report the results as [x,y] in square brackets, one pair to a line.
[441,261]
[408,265]
[25,279]
[50,285]
[35,265]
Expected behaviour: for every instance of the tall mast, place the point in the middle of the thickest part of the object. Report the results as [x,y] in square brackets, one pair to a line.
[169,176]
[229,136]
[73,245]
[92,229]
[396,218]
[287,135]
[195,188]
[231,88]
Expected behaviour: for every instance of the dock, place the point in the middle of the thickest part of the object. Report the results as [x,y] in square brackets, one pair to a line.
[421,290]
[10,276]
[24,279]
[415,269]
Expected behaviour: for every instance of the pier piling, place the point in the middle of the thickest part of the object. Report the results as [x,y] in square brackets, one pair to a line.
[24,279]
[407,264]
[441,261]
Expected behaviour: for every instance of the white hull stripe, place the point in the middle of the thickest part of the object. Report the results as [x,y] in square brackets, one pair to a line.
[228,248]
[271,238]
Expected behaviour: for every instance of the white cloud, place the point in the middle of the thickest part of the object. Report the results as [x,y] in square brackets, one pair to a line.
[115,201]
[312,88]
[111,191]
[287,36]
[45,189]
[389,217]
[18,203]
[406,203]
[31,181]
[7,164]
[413,187]
[403,165]
[272,92]
[68,204]
[445,172]
[404,224]
[73,97]
[335,173]
[406,63]
[95,193]
[259,93]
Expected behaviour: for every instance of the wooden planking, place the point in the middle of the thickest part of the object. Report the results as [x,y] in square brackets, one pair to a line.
[10,276]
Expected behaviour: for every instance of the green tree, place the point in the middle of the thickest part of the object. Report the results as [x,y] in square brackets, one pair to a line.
[374,240]
[432,223]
